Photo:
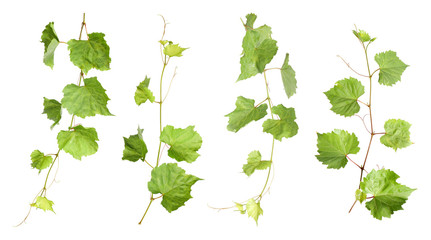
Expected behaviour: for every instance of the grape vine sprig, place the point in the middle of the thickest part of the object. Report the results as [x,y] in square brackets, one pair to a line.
[258,50]
[80,101]
[167,179]
[384,194]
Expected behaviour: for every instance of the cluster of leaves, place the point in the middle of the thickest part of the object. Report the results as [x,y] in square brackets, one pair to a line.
[258,50]
[334,148]
[167,179]
[80,101]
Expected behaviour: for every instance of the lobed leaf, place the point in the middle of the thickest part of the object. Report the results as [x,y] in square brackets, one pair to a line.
[388,195]
[254,162]
[142,93]
[173,50]
[184,143]
[85,101]
[391,68]
[397,134]
[79,141]
[244,113]
[360,196]
[39,160]
[363,36]
[288,77]
[43,203]
[50,41]
[333,147]
[134,147]
[284,127]
[91,53]
[251,18]
[344,96]
[52,109]
[253,209]
[173,183]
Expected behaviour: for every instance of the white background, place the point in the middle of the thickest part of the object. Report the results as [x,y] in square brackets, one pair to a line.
[103,197]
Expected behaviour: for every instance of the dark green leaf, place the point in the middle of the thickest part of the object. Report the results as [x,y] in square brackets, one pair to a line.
[134,147]
[52,109]
[142,93]
[244,113]
[391,67]
[50,41]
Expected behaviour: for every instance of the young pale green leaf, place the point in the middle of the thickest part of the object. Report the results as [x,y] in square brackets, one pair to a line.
[134,147]
[173,50]
[52,109]
[39,160]
[284,127]
[91,53]
[251,18]
[388,195]
[50,41]
[87,100]
[344,95]
[142,93]
[334,147]
[254,162]
[397,134]
[253,209]
[363,36]
[173,183]
[288,77]
[258,50]
[360,196]
[244,113]
[43,203]
[79,141]
[240,208]
[184,143]
[391,67]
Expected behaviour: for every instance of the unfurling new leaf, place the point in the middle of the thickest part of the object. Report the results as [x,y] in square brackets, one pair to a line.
[397,134]
[173,50]
[244,113]
[173,183]
[184,143]
[284,127]
[344,95]
[253,209]
[43,203]
[78,141]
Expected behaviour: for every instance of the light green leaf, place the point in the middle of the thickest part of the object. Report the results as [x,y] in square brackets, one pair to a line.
[397,134]
[173,183]
[391,67]
[254,162]
[253,209]
[79,141]
[142,93]
[244,113]
[163,42]
[363,36]
[333,147]
[52,109]
[360,196]
[389,196]
[173,50]
[258,50]
[344,95]
[288,77]
[43,203]
[85,101]
[134,147]
[91,53]
[284,127]
[251,18]
[184,143]
[240,208]
[39,160]
[50,41]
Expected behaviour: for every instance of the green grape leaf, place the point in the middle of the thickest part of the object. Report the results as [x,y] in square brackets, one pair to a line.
[344,95]
[184,143]
[363,36]
[254,162]
[397,134]
[334,147]
[173,183]
[388,195]
[91,53]
[391,67]
[284,127]
[79,141]
[258,50]
[52,109]
[251,18]
[50,41]
[244,113]
[253,209]
[43,203]
[360,196]
[240,208]
[142,93]
[39,160]
[135,147]
[288,77]
[173,50]
[85,101]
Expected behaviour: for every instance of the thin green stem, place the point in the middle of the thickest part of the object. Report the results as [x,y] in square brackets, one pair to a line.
[50,168]
[148,207]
